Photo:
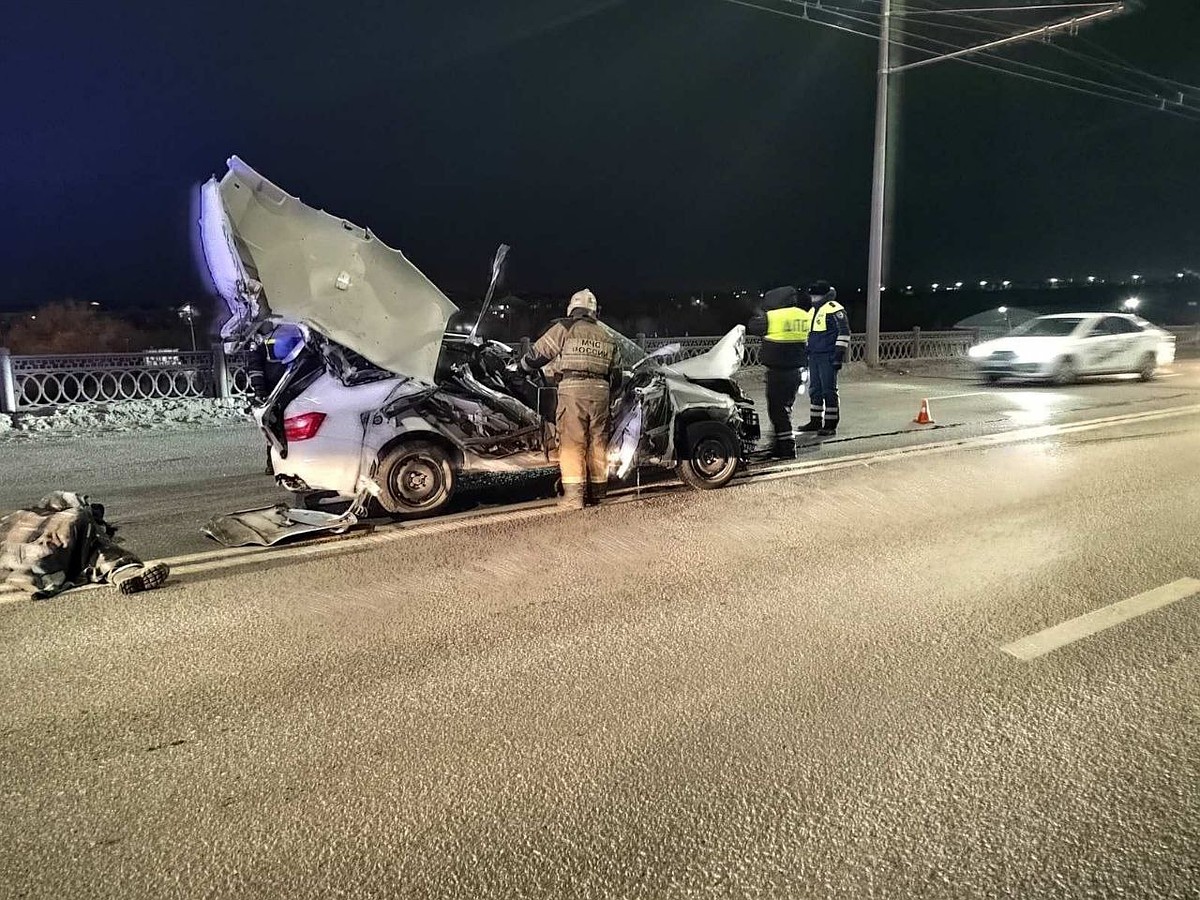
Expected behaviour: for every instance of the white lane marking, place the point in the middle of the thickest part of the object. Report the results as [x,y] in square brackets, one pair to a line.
[968,394]
[1035,645]
[231,557]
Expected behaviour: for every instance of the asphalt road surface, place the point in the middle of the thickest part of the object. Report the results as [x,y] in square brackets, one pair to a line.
[883,680]
[162,486]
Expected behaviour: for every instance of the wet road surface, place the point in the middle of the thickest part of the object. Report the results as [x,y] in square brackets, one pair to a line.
[787,688]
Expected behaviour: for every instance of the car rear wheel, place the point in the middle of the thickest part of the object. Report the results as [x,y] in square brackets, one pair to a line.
[1148,366]
[416,479]
[711,457]
[1064,372]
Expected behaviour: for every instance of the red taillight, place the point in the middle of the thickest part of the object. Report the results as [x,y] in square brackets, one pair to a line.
[303,427]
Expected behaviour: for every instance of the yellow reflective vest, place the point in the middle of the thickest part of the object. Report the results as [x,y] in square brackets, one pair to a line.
[789,325]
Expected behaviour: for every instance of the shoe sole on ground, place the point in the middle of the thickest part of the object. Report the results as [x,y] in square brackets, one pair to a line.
[148,579]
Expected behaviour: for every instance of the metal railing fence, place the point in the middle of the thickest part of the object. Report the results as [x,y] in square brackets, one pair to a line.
[36,382]
[893,345]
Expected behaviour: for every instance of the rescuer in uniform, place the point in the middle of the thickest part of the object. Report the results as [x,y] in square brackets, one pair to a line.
[783,325]
[587,367]
[828,346]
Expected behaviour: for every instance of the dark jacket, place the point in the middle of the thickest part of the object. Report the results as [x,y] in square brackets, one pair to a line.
[778,354]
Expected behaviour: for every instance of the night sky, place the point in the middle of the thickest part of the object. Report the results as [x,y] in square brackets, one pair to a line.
[622,144]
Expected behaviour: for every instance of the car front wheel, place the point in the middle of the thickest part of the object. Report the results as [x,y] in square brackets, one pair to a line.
[711,457]
[1064,372]
[416,479]
[1148,366]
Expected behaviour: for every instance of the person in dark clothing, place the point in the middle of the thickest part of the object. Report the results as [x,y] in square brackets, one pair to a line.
[63,541]
[828,346]
[783,325]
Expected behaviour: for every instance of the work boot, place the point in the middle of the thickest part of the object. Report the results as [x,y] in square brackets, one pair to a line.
[784,450]
[597,491]
[574,496]
[828,430]
[814,424]
[135,579]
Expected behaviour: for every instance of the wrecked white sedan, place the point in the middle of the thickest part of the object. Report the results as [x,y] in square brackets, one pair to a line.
[376,400]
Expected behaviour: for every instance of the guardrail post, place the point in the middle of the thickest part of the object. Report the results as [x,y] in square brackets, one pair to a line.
[221,387]
[916,342]
[641,340]
[8,382]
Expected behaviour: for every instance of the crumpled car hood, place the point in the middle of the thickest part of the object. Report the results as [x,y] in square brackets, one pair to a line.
[273,258]
[720,361]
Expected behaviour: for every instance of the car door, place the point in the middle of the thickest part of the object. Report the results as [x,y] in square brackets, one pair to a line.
[1133,342]
[1094,347]
[1104,346]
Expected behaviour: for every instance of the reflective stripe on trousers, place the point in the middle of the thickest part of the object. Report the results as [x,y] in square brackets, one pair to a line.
[583,430]
[822,387]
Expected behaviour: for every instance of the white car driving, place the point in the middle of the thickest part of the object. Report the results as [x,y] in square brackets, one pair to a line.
[1062,348]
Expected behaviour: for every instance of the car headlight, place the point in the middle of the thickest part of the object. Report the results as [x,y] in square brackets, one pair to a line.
[979,351]
[1038,354]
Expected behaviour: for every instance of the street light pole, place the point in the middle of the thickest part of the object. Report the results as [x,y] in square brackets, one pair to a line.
[878,186]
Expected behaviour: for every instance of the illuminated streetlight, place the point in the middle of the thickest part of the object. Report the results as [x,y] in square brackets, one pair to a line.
[983,284]
[936,285]
[1137,277]
[1004,312]
[1006,283]
[958,284]
[1131,303]
[188,313]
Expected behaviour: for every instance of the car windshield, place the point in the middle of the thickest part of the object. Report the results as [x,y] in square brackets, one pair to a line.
[1047,327]
[629,352]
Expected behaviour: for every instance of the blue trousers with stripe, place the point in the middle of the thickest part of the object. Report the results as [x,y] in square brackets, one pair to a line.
[822,388]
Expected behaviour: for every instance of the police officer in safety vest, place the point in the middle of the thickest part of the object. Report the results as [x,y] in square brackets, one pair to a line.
[828,347]
[783,325]
[588,364]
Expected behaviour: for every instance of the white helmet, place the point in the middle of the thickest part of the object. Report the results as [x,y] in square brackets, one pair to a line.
[584,299]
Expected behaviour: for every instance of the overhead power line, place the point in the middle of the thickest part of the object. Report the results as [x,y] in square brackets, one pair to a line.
[935,49]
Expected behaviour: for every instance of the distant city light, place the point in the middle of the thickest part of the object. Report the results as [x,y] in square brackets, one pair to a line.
[958,284]
[909,288]
[1091,279]
[936,285]
[1131,303]
[1006,283]
[983,284]
[1136,276]
[1054,281]
[93,303]
[1178,274]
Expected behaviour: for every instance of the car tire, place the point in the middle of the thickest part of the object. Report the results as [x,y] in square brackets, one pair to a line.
[1148,367]
[1064,372]
[990,378]
[416,479]
[710,457]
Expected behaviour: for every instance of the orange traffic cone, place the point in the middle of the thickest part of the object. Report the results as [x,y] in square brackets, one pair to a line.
[923,416]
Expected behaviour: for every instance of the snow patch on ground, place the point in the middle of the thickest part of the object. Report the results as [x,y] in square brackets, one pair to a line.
[129,415]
